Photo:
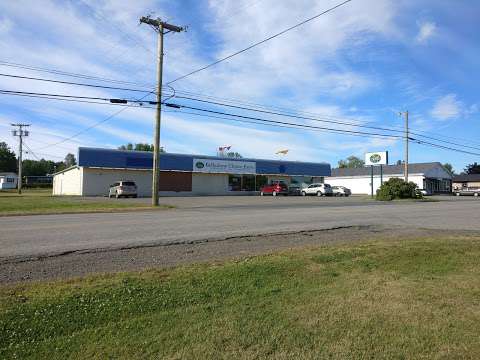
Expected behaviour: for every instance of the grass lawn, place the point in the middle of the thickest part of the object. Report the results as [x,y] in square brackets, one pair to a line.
[403,300]
[42,202]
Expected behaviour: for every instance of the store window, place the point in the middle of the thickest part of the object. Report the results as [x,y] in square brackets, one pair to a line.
[261,181]
[241,182]
[248,182]
[234,182]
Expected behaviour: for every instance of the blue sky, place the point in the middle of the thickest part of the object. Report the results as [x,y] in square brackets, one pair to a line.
[362,63]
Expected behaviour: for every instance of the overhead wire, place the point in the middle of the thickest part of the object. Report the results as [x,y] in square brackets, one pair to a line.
[259,42]
[72,74]
[72,83]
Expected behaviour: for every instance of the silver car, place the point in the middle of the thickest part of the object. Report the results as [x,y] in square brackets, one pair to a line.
[123,188]
[317,189]
[341,191]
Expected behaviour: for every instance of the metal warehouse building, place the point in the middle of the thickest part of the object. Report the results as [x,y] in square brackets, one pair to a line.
[180,174]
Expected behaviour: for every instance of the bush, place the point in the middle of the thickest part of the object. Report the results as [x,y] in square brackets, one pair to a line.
[396,188]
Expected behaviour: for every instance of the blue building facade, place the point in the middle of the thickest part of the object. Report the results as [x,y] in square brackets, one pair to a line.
[180,174]
[125,159]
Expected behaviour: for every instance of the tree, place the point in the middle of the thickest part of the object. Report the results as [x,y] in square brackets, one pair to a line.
[139,147]
[38,168]
[70,160]
[8,160]
[473,168]
[449,168]
[396,188]
[351,162]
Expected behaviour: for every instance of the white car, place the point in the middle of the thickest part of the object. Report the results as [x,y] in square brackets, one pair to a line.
[123,188]
[317,189]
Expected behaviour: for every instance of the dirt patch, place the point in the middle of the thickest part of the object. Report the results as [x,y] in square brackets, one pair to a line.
[102,261]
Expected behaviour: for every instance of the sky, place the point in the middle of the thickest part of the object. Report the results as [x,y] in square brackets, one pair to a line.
[362,63]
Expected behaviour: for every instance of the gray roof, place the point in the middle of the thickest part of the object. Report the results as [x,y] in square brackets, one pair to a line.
[466,177]
[419,168]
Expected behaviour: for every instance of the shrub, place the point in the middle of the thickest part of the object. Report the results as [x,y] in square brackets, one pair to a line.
[396,188]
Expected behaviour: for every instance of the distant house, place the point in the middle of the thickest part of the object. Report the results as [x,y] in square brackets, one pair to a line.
[466,181]
[429,176]
[8,180]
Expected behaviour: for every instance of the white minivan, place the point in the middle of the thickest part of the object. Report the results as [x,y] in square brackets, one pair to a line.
[317,189]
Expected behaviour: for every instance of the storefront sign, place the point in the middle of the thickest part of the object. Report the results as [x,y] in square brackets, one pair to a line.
[224,166]
[376,158]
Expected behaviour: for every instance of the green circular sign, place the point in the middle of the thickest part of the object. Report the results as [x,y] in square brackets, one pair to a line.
[199,165]
[375,158]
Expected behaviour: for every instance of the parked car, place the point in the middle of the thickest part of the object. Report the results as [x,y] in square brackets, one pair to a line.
[423,192]
[275,188]
[318,189]
[472,191]
[341,191]
[123,188]
[294,190]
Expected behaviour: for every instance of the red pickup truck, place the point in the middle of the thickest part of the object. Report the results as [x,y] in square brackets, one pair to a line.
[275,188]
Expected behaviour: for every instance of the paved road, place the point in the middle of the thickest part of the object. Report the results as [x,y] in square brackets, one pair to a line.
[221,217]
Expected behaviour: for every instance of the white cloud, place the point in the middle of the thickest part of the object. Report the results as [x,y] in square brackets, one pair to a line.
[5,25]
[426,30]
[447,107]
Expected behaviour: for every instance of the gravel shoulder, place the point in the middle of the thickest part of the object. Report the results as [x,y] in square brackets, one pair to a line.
[82,263]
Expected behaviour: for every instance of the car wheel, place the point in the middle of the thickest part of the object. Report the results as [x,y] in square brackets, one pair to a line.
[319,193]
[304,193]
[458,194]
[475,194]
[274,193]
[116,195]
[261,193]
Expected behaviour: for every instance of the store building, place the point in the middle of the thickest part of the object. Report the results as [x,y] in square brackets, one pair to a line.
[429,176]
[465,181]
[180,174]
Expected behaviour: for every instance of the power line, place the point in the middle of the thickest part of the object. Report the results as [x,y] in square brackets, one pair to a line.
[287,123]
[422,142]
[288,115]
[72,83]
[112,100]
[259,42]
[71,74]
[326,120]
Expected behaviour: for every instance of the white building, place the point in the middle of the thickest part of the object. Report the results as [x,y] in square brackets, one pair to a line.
[180,174]
[429,176]
[8,180]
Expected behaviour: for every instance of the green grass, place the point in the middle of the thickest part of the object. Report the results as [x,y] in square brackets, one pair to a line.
[32,202]
[396,300]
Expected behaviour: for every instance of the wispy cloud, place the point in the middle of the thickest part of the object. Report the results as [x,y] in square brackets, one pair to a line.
[447,107]
[426,30]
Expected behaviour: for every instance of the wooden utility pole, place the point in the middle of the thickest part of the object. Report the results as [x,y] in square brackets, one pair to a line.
[406,146]
[406,138]
[20,133]
[159,26]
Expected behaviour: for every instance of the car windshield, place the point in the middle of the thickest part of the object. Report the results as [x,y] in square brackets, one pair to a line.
[128,183]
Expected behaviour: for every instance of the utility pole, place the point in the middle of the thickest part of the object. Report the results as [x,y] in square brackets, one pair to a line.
[20,133]
[159,26]
[405,171]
